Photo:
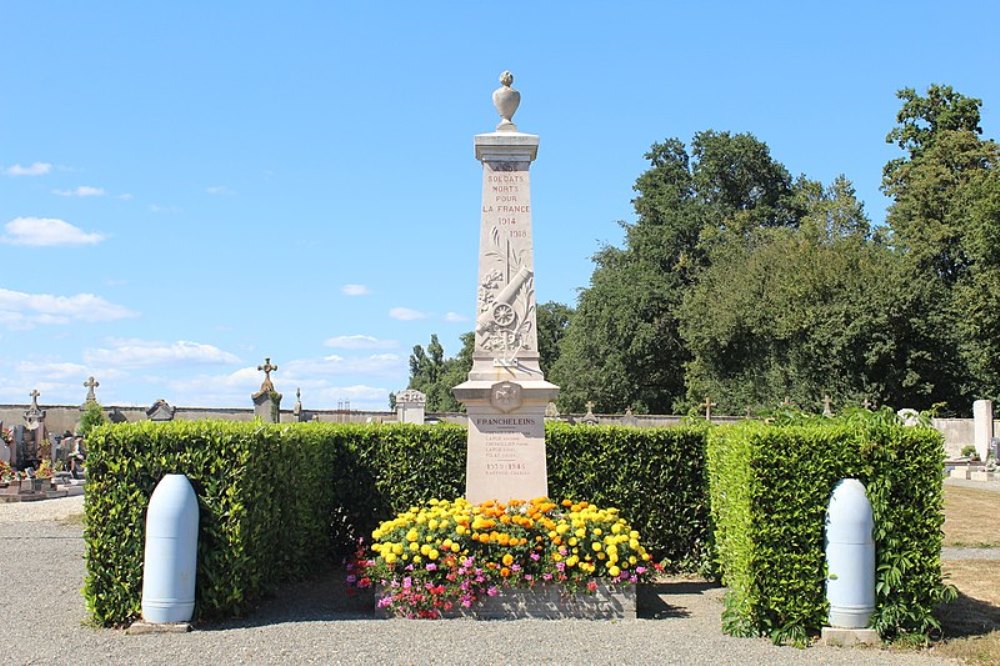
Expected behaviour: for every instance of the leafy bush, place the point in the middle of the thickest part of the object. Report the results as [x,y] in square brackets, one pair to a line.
[770,486]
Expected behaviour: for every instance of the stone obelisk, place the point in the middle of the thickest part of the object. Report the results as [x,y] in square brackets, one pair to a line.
[506,393]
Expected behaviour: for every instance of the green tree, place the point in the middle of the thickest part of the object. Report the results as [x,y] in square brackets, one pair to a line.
[430,373]
[93,416]
[623,347]
[822,309]
[943,218]
[553,321]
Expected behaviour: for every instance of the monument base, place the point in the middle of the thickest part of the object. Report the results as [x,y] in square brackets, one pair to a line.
[839,637]
[506,441]
[550,602]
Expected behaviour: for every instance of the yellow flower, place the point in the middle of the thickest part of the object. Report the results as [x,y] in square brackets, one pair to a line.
[433,554]
[455,547]
[389,557]
[424,549]
[412,535]
[397,548]
[613,571]
[596,545]
[572,541]
[508,559]
[414,546]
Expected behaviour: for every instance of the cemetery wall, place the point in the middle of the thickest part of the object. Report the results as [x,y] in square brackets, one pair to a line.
[59,418]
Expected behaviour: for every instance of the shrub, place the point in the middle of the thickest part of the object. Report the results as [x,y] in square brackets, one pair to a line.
[770,486]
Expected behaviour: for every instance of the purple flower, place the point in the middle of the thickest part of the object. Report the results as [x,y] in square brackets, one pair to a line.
[407,583]
[492,591]
[515,567]
[431,566]
[352,579]
[561,566]
[535,557]
[640,570]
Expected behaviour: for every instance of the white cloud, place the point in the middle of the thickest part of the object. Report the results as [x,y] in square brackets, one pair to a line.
[125,197]
[36,169]
[221,190]
[46,231]
[23,311]
[375,364]
[355,290]
[157,208]
[143,353]
[359,342]
[454,317]
[406,314]
[52,370]
[81,191]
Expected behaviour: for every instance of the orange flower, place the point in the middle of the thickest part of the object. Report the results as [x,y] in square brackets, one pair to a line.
[505,572]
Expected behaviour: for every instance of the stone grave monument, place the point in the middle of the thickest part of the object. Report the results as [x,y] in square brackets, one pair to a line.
[410,406]
[506,394]
[267,401]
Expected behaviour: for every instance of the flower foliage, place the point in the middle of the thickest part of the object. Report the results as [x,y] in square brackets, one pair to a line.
[446,555]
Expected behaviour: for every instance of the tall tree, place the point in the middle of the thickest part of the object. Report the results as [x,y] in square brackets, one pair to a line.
[801,313]
[943,214]
[623,347]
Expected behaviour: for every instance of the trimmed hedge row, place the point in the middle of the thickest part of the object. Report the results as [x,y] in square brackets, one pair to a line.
[275,499]
[770,487]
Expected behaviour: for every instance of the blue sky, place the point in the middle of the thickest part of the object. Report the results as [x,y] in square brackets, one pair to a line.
[187,188]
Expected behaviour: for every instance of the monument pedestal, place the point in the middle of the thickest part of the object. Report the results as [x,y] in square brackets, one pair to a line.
[506,445]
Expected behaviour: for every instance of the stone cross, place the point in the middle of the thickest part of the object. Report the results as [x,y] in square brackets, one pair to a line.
[826,406]
[267,368]
[34,398]
[708,404]
[91,384]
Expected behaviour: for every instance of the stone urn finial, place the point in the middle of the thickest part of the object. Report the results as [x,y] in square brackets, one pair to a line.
[506,100]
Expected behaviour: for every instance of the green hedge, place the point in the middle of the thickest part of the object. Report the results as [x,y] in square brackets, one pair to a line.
[277,499]
[770,486]
[655,476]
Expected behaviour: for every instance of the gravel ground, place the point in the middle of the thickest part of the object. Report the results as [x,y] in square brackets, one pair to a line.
[42,569]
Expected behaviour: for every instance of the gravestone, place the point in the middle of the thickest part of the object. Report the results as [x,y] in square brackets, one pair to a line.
[161,411]
[34,421]
[410,405]
[267,401]
[982,413]
[506,393]
[18,453]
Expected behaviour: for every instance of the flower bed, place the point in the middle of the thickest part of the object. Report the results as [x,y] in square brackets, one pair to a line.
[440,559]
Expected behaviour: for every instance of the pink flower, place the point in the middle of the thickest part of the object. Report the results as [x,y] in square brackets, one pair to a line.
[492,591]
[535,557]
[547,576]
[592,586]
[431,566]
[407,583]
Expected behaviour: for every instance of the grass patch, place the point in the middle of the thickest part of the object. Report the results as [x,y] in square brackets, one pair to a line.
[972,518]
[971,623]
